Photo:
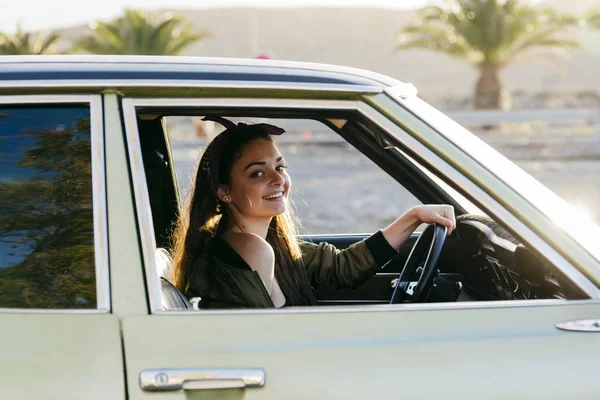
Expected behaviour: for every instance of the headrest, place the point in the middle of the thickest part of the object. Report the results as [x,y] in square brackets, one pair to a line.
[164,263]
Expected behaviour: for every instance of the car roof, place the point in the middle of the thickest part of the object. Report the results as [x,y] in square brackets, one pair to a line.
[166,68]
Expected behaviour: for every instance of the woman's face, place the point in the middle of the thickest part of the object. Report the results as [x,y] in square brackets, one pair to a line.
[259,183]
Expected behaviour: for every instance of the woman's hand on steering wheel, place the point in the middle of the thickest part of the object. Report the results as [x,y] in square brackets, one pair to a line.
[400,230]
[441,214]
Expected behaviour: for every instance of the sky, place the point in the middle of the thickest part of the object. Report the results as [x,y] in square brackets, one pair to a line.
[48,14]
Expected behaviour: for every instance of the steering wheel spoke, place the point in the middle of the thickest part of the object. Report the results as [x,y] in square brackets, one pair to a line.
[428,249]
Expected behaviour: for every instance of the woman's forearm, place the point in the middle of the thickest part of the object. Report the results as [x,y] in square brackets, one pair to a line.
[398,231]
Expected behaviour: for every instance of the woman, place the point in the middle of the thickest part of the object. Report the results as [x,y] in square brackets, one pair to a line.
[235,243]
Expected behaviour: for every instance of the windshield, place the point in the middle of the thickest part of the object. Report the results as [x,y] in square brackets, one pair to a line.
[572,220]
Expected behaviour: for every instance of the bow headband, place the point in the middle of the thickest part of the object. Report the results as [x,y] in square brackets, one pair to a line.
[212,156]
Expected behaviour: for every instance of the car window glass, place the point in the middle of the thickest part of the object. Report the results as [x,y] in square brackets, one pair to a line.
[336,189]
[46,210]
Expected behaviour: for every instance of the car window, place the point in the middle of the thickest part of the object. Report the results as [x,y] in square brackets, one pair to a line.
[336,189]
[46,210]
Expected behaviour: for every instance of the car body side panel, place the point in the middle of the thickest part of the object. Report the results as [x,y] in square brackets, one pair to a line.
[127,279]
[69,356]
[416,351]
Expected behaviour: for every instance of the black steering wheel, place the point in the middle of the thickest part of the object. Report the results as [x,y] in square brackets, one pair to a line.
[430,245]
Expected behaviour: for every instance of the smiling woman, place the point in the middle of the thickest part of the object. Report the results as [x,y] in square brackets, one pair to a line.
[236,243]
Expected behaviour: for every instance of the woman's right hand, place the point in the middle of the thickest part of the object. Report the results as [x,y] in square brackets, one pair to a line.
[442,214]
[401,229]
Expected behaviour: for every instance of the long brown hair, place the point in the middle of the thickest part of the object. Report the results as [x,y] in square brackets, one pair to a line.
[198,222]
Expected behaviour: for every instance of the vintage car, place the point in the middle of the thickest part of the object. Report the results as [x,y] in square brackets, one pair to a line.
[505,307]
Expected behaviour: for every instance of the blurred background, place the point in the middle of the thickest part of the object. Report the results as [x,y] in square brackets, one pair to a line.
[522,75]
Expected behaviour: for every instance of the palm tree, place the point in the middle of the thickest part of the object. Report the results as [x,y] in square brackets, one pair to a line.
[142,33]
[592,18]
[488,34]
[28,43]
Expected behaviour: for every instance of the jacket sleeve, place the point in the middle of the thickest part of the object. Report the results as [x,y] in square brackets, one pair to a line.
[348,268]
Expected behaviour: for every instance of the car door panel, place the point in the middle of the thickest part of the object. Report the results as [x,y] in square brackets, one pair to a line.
[60,356]
[410,351]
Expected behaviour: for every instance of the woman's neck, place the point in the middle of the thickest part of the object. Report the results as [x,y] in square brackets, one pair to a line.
[259,227]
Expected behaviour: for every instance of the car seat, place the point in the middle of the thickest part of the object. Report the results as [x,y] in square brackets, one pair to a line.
[171,298]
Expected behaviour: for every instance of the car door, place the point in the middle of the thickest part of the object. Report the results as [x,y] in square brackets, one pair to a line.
[504,349]
[417,351]
[57,337]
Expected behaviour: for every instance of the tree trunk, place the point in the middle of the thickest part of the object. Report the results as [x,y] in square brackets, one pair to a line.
[489,92]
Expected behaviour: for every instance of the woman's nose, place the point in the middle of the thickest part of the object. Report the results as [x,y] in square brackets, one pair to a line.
[277,179]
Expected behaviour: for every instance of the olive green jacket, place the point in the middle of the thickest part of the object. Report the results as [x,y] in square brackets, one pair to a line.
[226,286]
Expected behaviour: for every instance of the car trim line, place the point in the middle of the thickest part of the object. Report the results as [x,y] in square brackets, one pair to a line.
[243,103]
[98,197]
[438,164]
[196,84]
[52,311]
[142,203]
[405,307]
[99,201]
[357,302]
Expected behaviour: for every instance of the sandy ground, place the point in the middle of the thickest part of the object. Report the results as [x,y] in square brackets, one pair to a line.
[337,190]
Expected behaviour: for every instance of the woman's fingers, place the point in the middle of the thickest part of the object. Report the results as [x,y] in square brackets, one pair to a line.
[447,223]
[449,218]
[439,214]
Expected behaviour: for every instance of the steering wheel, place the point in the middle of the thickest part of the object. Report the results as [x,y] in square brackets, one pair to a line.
[430,245]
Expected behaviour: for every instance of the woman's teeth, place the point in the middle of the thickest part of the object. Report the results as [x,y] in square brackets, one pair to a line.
[273,196]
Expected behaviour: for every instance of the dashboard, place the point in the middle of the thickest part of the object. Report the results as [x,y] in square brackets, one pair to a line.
[495,265]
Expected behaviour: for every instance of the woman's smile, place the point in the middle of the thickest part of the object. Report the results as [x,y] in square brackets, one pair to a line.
[275,196]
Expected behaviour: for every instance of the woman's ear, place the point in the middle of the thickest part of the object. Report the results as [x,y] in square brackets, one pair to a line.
[223,194]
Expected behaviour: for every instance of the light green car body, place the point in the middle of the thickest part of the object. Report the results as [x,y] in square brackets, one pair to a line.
[472,350]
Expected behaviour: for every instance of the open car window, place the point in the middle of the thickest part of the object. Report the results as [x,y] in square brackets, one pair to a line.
[350,177]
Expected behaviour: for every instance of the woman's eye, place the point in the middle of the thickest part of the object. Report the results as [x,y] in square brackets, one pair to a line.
[281,167]
[256,174]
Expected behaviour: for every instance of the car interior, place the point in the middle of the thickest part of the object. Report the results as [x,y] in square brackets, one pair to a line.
[480,261]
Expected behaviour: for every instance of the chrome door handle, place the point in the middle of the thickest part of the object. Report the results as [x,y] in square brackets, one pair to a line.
[582,325]
[164,380]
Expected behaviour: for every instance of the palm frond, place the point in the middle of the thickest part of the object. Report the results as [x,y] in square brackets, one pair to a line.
[489,32]
[138,32]
[28,43]
[433,38]
[545,37]
[592,18]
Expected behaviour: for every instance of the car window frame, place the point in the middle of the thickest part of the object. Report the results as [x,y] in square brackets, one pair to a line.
[99,206]
[417,151]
